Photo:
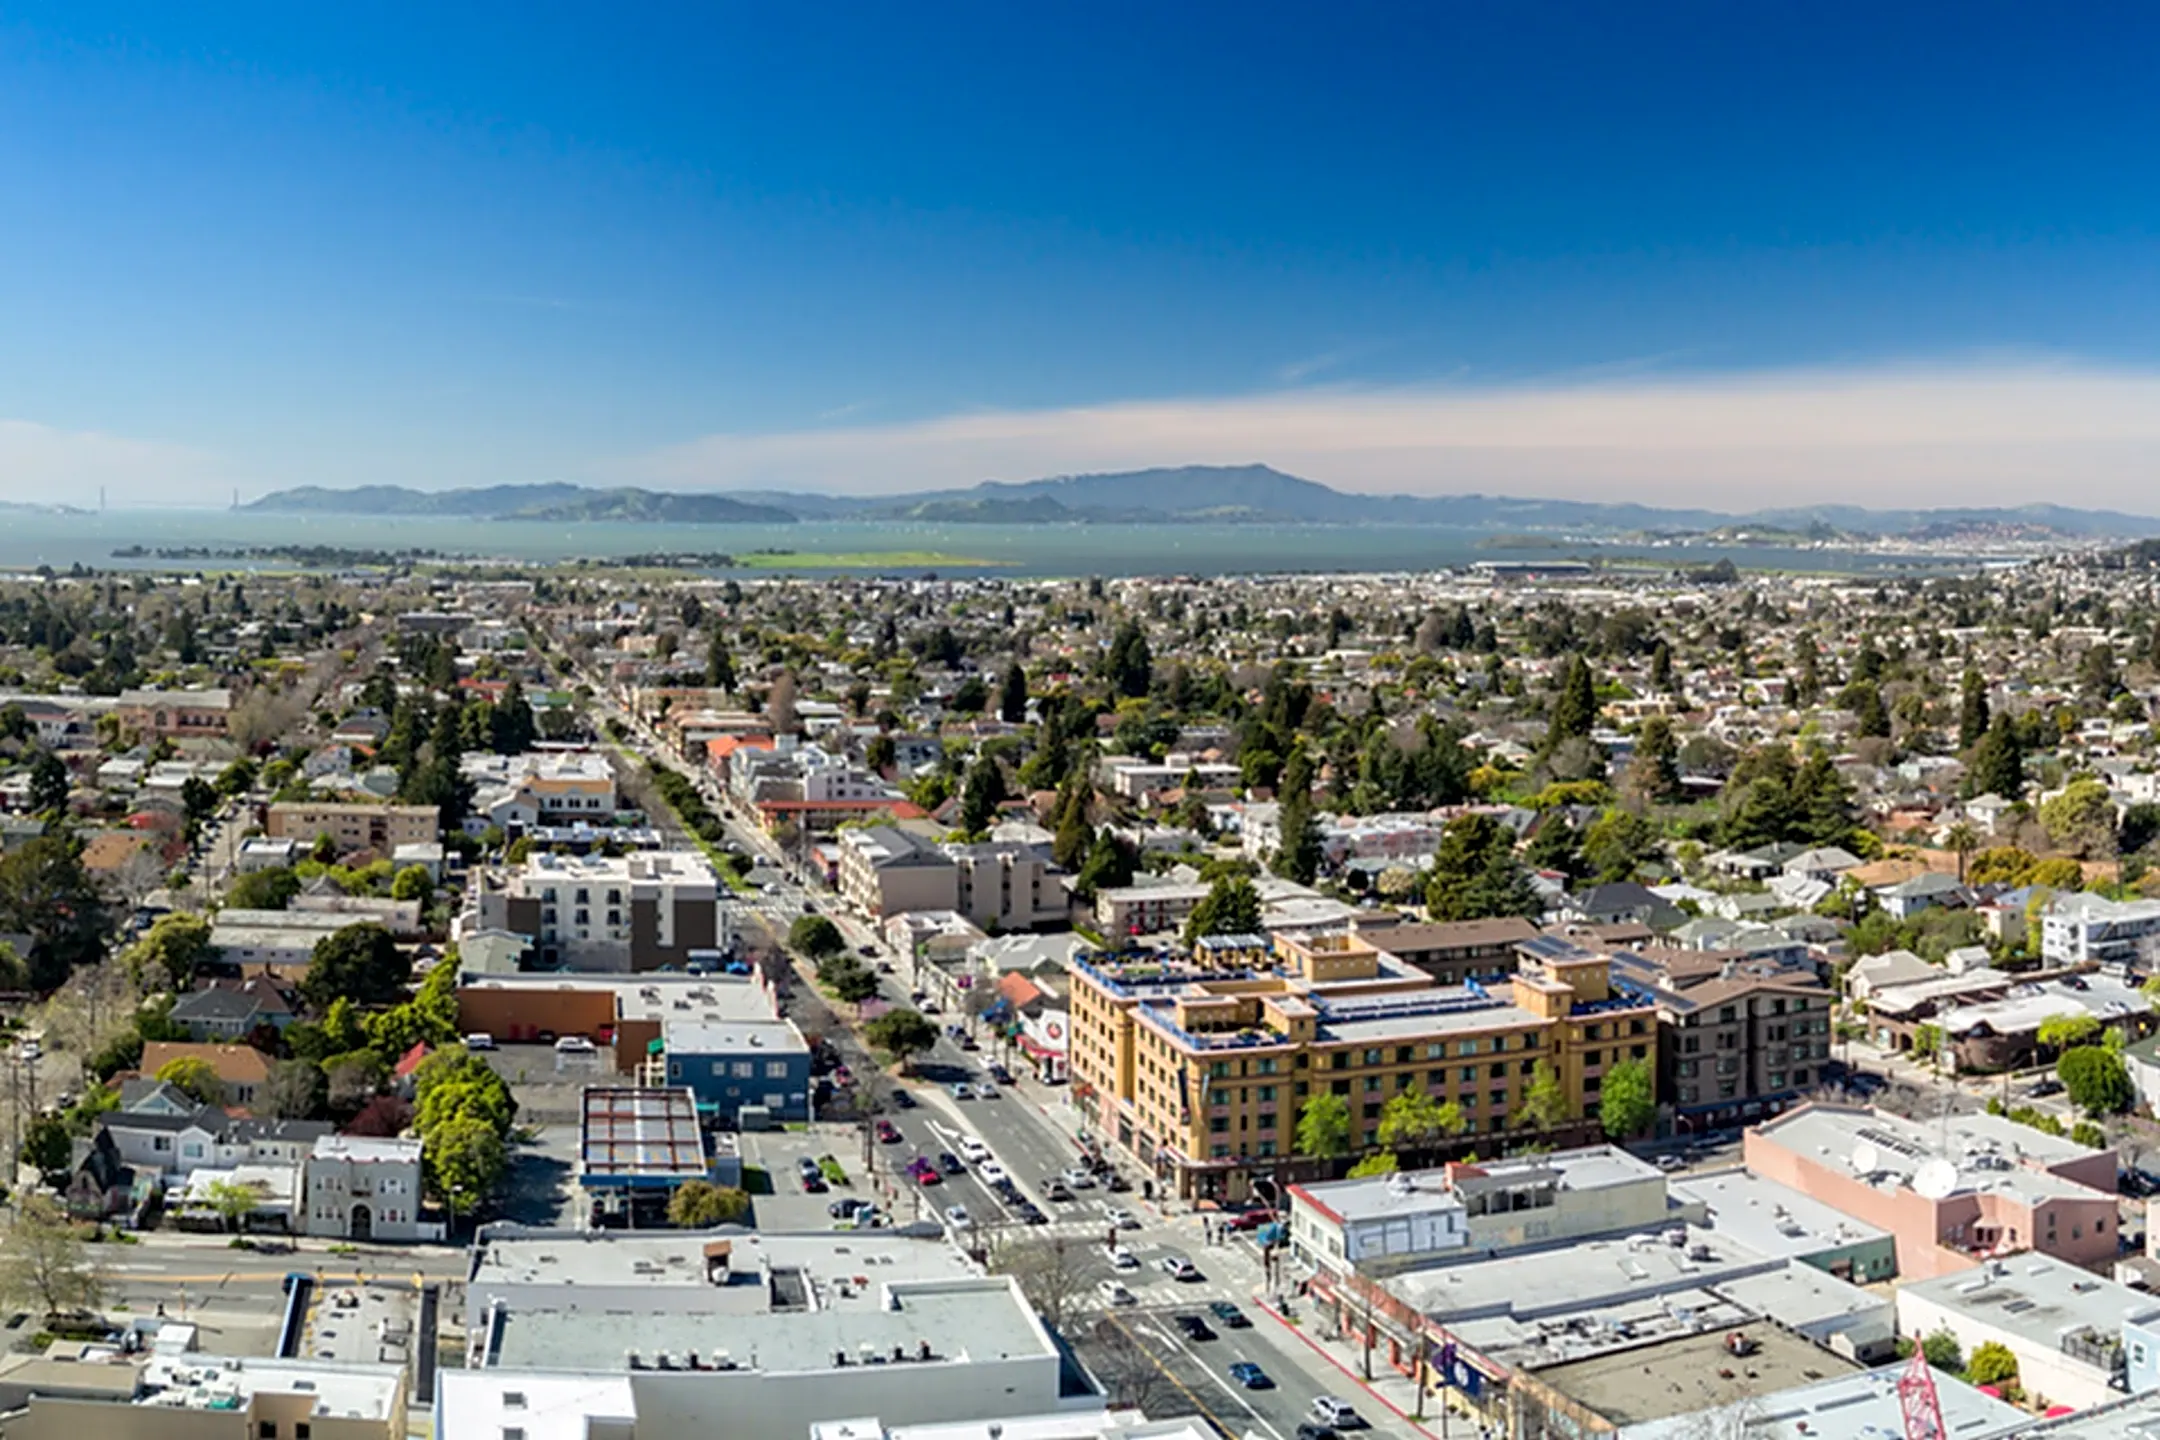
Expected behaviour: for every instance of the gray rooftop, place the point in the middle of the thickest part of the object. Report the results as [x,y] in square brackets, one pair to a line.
[1770,1218]
[1592,1167]
[1992,1155]
[2039,1300]
[1858,1406]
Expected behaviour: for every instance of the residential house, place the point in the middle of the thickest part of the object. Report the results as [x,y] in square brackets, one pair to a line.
[241,1069]
[359,1188]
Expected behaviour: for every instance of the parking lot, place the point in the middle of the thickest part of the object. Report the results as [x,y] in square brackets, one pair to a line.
[780,1153]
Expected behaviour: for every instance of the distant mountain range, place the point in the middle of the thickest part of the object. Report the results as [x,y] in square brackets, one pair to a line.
[1192,494]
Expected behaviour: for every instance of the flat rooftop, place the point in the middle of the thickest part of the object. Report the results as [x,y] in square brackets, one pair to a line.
[657,996]
[1770,1218]
[203,1382]
[836,1262]
[1859,1406]
[362,1324]
[1678,1377]
[628,1134]
[1591,1167]
[1990,1155]
[2039,1300]
[961,1322]
[545,1407]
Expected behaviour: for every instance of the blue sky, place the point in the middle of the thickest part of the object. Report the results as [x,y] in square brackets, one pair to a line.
[1554,249]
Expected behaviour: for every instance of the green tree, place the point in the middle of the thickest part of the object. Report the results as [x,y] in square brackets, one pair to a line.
[465,1160]
[411,883]
[1653,771]
[1574,710]
[1129,663]
[48,784]
[1618,843]
[2081,819]
[45,894]
[361,963]
[719,664]
[1961,840]
[193,1076]
[1074,837]
[1110,863]
[1996,765]
[1661,671]
[1298,858]
[1323,1127]
[901,1035]
[1544,1103]
[1942,1349]
[1627,1101]
[47,1146]
[849,980]
[1231,907]
[1414,1120]
[1992,1363]
[2096,1080]
[700,1205]
[271,889]
[2067,1031]
[45,1265]
[1013,695]
[816,937]
[1380,1162]
[1870,716]
[981,795]
[175,946]
[198,802]
[1475,874]
[511,730]
[234,1201]
[1972,709]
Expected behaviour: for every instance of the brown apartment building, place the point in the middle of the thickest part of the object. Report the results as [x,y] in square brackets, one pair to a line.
[1740,1038]
[1453,951]
[1201,1069]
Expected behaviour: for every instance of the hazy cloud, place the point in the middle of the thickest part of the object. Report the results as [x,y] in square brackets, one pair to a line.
[49,466]
[1999,433]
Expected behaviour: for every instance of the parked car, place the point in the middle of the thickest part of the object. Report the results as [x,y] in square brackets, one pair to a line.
[991,1171]
[813,1183]
[1307,1430]
[480,1040]
[2044,1086]
[575,1045]
[974,1149]
[848,1205]
[1251,1376]
[1229,1314]
[1000,1074]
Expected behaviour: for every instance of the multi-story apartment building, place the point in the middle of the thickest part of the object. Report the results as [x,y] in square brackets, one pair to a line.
[1452,951]
[547,787]
[359,1188]
[604,913]
[1146,909]
[884,871]
[1202,1070]
[1738,1038]
[2082,927]
[1007,887]
[381,828]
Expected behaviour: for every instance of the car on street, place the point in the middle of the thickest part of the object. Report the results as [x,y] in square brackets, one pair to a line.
[1333,1410]
[1177,1267]
[1670,1163]
[888,1133]
[1229,1314]
[1122,1218]
[991,1171]
[1030,1215]
[1115,1293]
[1000,1074]
[1079,1178]
[1120,1258]
[974,1149]
[922,1172]
[1251,1376]
[2045,1086]
[957,1216]
[902,1100]
[950,1163]
[1056,1191]
[1192,1327]
[961,1090]
[1307,1430]
[984,1090]
[1251,1219]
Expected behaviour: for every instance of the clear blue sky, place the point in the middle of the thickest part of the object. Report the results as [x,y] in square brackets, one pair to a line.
[295,243]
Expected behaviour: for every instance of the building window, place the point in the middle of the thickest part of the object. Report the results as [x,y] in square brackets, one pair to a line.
[742,1069]
[776,1069]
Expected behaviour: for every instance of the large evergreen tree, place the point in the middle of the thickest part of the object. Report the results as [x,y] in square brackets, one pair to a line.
[1475,874]
[1972,710]
[1298,858]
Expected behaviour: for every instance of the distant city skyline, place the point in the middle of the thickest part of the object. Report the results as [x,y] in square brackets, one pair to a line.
[1687,256]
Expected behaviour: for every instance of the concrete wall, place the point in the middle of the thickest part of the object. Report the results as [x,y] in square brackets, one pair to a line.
[2044,1372]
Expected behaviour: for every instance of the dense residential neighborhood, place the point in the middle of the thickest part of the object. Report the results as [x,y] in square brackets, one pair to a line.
[1297,968]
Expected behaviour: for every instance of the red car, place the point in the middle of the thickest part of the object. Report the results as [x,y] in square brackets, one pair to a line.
[886,1134]
[922,1172]
[1251,1220]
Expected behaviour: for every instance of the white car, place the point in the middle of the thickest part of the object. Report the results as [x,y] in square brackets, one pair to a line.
[1079,1178]
[990,1172]
[1122,1218]
[480,1040]
[973,1150]
[575,1045]
[957,1216]
[1115,1293]
[1121,1258]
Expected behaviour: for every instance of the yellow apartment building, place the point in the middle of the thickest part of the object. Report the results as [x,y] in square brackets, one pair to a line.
[1200,1066]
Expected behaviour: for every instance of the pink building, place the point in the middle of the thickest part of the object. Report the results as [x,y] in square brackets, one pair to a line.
[1953,1192]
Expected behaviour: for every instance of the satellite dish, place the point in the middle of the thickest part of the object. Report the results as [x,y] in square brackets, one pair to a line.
[1866,1160]
[1935,1179]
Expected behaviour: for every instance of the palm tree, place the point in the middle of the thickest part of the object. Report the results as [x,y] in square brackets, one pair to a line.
[1962,839]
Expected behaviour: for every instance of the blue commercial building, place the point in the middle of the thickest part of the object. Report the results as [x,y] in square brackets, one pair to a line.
[733,1064]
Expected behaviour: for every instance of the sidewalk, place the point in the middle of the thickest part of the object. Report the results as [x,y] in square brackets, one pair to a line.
[1390,1399]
